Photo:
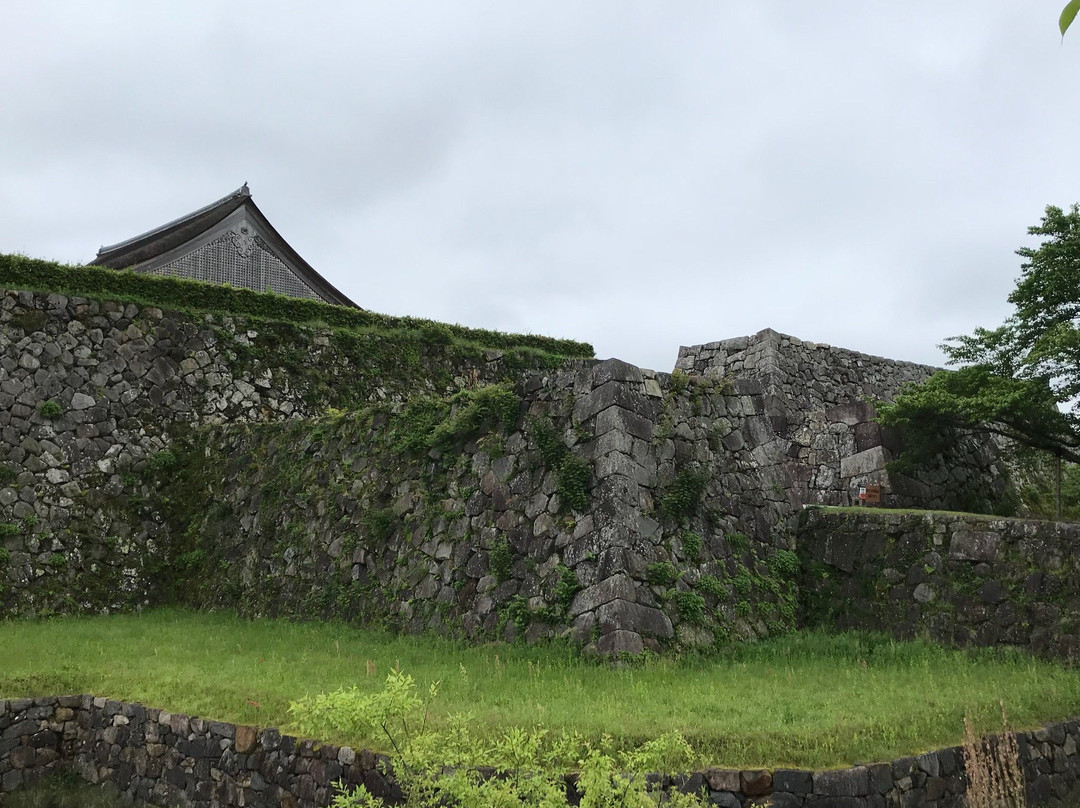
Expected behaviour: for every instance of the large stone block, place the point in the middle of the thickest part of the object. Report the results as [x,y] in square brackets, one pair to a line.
[617,586]
[615,370]
[619,641]
[611,394]
[862,463]
[623,614]
[854,782]
[974,545]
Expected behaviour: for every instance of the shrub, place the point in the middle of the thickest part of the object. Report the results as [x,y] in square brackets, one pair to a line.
[5,555]
[433,767]
[738,541]
[380,524]
[50,409]
[8,529]
[573,473]
[992,765]
[744,584]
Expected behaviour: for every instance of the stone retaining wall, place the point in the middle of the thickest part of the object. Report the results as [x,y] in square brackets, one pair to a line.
[819,398]
[688,483]
[91,393]
[959,578]
[170,760]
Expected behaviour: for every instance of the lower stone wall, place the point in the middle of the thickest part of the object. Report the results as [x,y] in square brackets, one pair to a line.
[153,756]
[959,578]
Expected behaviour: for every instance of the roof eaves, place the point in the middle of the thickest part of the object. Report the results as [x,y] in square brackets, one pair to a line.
[241,193]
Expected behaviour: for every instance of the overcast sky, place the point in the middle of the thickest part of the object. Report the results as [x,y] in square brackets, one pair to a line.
[638,175]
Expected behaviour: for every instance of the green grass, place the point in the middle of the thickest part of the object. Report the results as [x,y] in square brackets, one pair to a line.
[63,791]
[31,274]
[808,700]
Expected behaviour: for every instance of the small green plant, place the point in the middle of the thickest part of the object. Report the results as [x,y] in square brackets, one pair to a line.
[50,409]
[711,585]
[567,586]
[57,561]
[379,523]
[785,563]
[738,541]
[680,380]
[163,461]
[8,529]
[5,555]
[683,496]
[501,560]
[690,607]
[743,608]
[691,543]
[7,475]
[743,582]
[661,573]
[436,333]
[573,479]
[573,473]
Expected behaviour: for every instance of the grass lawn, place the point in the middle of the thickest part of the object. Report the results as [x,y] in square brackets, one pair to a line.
[63,792]
[808,700]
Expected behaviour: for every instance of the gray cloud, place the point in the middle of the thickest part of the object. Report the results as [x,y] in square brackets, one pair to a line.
[639,175]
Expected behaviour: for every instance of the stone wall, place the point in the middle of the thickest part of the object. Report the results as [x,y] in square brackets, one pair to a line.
[819,399]
[91,392]
[150,755]
[955,577]
[150,456]
[604,511]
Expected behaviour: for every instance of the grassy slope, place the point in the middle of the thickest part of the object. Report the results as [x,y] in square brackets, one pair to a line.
[20,272]
[807,700]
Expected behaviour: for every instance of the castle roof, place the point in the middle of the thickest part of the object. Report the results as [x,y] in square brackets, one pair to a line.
[228,241]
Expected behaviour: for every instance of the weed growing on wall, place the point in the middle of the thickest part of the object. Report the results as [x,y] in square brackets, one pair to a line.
[691,543]
[681,499]
[661,573]
[501,560]
[429,423]
[573,473]
[50,409]
[437,767]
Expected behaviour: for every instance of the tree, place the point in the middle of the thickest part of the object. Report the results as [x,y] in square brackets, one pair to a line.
[1021,380]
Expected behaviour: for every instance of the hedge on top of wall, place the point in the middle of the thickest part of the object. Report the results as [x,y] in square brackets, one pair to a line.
[21,272]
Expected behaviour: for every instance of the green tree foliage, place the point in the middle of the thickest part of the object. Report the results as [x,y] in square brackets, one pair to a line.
[1020,380]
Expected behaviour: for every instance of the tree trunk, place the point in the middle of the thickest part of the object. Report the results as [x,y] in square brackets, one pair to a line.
[1057,491]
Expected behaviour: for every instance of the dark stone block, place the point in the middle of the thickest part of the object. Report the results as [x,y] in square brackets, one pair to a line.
[725,799]
[782,799]
[793,780]
[881,777]
[756,783]
[854,782]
